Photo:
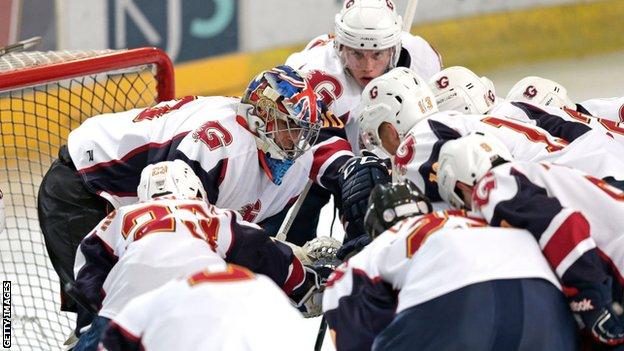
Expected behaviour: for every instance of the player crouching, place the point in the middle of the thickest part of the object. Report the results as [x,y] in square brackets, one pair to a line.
[173,232]
[444,281]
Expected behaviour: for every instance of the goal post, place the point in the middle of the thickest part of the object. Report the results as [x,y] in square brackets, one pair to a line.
[43,96]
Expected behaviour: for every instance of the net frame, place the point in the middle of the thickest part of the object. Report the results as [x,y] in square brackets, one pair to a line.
[43,96]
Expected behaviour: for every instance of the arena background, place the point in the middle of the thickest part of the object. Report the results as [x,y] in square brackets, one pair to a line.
[218,45]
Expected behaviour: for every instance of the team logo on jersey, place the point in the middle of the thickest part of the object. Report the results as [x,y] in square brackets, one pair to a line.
[530,92]
[374,92]
[481,192]
[213,134]
[442,82]
[250,211]
[622,113]
[326,86]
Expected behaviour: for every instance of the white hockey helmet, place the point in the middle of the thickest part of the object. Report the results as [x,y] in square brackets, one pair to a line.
[459,89]
[369,25]
[540,91]
[399,97]
[169,178]
[467,159]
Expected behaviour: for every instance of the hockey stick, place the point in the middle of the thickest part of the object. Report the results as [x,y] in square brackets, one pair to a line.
[70,289]
[321,334]
[408,17]
[292,213]
[20,45]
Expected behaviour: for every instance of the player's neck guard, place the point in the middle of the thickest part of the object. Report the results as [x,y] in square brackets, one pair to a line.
[274,169]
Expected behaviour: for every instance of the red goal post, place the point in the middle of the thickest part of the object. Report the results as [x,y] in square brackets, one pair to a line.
[43,96]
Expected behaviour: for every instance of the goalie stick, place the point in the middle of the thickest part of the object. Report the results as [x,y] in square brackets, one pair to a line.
[292,213]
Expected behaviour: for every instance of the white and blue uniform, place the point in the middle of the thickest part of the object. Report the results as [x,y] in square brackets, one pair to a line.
[207,134]
[339,90]
[423,260]
[218,308]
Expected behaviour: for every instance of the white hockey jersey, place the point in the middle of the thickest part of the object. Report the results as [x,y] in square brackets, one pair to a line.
[142,246]
[607,108]
[207,134]
[340,91]
[568,211]
[223,153]
[110,150]
[423,258]
[227,309]
[563,123]
[417,156]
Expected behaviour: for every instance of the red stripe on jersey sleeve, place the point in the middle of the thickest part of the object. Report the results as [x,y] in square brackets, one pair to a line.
[295,278]
[324,152]
[570,233]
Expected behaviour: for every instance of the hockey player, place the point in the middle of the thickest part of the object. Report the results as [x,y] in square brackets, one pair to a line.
[400,117]
[576,219]
[249,154]
[444,281]
[218,308]
[459,89]
[172,232]
[367,42]
[545,92]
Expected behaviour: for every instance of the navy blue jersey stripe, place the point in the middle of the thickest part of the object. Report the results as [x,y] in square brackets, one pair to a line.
[553,124]
[121,177]
[443,133]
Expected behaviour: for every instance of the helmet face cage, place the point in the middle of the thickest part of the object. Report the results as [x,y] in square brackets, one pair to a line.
[283,104]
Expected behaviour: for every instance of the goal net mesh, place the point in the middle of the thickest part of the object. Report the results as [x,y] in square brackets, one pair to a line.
[36,117]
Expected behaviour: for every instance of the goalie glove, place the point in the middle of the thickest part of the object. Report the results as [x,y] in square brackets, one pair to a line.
[320,258]
[357,179]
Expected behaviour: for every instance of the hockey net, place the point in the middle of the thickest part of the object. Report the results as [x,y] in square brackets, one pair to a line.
[43,96]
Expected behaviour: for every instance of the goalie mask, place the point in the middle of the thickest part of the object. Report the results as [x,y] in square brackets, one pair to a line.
[368,25]
[391,203]
[459,89]
[540,91]
[285,116]
[399,97]
[467,160]
[170,178]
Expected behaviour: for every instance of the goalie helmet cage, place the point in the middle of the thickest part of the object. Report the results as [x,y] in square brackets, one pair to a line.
[43,96]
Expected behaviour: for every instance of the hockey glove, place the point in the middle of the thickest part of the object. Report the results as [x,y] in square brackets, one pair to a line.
[308,297]
[353,246]
[358,177]
[602,322]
